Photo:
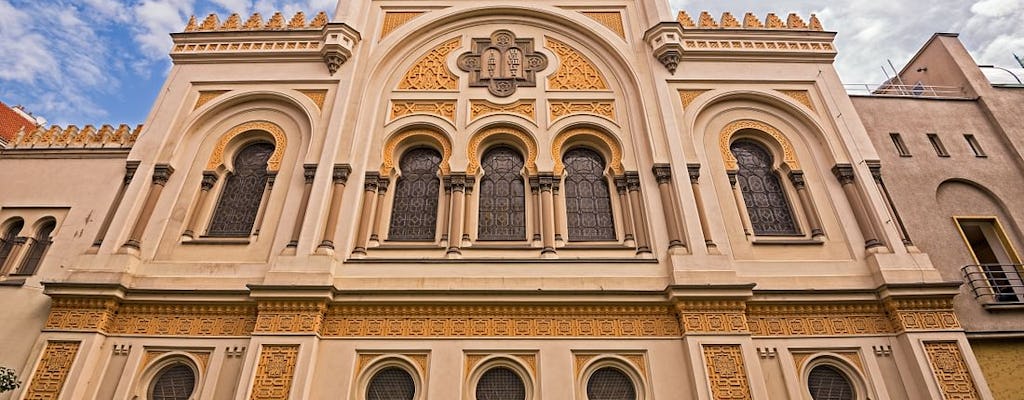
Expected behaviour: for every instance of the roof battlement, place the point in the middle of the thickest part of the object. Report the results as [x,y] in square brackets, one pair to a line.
[255,23]
[793,22]
[71,137]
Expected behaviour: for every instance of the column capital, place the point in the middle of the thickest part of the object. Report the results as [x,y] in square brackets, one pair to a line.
[130,168]
[457,182]
[370,184]
[732,177]
[546,181]
[534,183]
[162,173]
[694,171]
[632,180]
[308,173]
[620,184]
[797,179]
[662,173]
[382,184]
[340,173]
[875,167]
[844,173]
[209,179]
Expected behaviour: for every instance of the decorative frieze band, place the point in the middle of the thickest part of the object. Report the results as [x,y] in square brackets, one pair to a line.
[563,108]
[712,316]
[525,108]
[441,108]
[818,320]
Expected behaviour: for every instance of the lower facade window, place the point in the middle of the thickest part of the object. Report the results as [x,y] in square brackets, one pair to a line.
[610,383]
[828,383]
[500,383]
[391,383]
[176,382]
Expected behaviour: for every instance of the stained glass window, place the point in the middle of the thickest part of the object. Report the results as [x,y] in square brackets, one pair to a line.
[391,383]
[588,204]
[610,384]
[414,211]
[827,383]
[37,249]
[500,383]
[173,383]
[7,240]
[240,200]
[502,196]
[766,202]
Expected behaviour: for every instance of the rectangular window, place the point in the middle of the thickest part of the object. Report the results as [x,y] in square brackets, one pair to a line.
[975,146]
[937,144]
[901,148]
[996,270]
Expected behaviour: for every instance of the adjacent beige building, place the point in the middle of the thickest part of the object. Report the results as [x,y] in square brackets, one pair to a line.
[481,200]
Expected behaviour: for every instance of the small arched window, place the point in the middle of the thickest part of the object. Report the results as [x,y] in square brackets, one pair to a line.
[825,382]
[391,383]
[763,195]
[502,196]
[243,191]
[500,383]
[610,383]
[414,213]
[588,204]
[175,382]
[7,238]
[40,243]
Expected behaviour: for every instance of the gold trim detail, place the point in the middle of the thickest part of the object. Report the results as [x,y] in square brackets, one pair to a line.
[420,359]
[817,319]
[687,96]
[727,374]
[56,137]
[524,140]
[575,71]
[319,96]
[395,19]
[81,314]
[431,71]
[280,144]
[758,45]
[724,139]
[636,360]
[500,321]
[590,135]
[203,357]
[441,108]
[276,46]
[610,19]
[255,23]
[852,356]
[928,314]
[564,108]
[184,320]
[438,138]
[950,371]
[206,95]
[527,359]
[712,316]
[801,96]
[290,316]
[480,108]
[52,371]
[275,372]
[750,21]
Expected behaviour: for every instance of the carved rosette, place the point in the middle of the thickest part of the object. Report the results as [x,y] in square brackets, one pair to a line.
[502,63]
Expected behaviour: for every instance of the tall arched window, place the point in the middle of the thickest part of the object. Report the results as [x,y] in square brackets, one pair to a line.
[610,383]
[243,191]
[502,196]
[391,383]
[588,204]
[828,383]
[175,382]
[40,243]
[500,383]
[763,195]
[7,241]
[414,213]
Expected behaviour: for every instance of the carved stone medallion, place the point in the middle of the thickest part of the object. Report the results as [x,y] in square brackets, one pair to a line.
[502,63]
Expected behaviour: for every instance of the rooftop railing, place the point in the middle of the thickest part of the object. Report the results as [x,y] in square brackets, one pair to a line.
[995,283]
[886,89]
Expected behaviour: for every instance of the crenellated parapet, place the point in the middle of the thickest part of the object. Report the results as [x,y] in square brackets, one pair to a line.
[71,137]
[255,22]
[793,22]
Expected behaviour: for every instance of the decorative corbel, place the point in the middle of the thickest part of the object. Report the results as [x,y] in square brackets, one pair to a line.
[339,41]
[665,40]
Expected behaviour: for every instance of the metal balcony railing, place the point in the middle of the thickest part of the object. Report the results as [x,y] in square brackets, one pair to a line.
[888,89]
[995,283]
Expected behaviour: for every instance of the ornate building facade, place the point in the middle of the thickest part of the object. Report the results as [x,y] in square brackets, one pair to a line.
[476,201]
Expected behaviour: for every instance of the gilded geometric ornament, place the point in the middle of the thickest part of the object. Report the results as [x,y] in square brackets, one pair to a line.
[89,137]
[441,108]
[431,72]
[280,144]
[801,96]
[206,95]
[950,371]
[395,19]
[317,96]
[636,360]
[927,314]
[289,316]
[388,165]
[524,139]
[364,360]
[725,140]
[529,360]
[575,71]
[607,140]
[560,108]
[853,357]
[480,108]
[610,19]
[727,374]
[275,372]
[687,96]
[817,319]
[52,372]
[712,316]
[184,320]
[502,63]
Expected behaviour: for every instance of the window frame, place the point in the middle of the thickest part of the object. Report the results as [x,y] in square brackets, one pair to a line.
[617,361]
[146,382]
[1007,246]
[223,175]
[901,146]
[972,142]
[385,361]
[392,197]
[936,141]
[11,243]
[29,262]
[608,177]
[783,173]
[477,195]
[497,361]
[852,375]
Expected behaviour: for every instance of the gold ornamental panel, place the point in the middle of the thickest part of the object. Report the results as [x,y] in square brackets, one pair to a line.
[81,314]
[725,141]
[280,143]
[289,317]
[950,371]
[817,319]
[275,372]
[727,373]
[610,19]
[923,314]
[687,96]
[563,108]
[441,108]
[801,96]
[318,96]
[712,316]
[206,95]
[395,19]
[184,320]
[52,372]
[575,72]
[431,72]
[480,108]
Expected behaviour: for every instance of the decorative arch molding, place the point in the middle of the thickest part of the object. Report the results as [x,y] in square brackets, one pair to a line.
[522,139]
[437,138]
[848,364]
[591,136]
[372,363]
[280,143]
[725,139]
[632,365]
[155,362]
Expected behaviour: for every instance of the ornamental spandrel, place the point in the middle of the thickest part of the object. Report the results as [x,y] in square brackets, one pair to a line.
[502,63]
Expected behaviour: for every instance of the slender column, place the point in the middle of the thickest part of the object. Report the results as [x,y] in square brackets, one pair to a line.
[535,201]
[663,175]
[547,183]
[737,194]
[271,178]
[472,217]
[844,173]
[627,212]
[13,258]
[876,174]
[161,174]
[797,178]
[339,177]
[705,227]
[559,210]
[633,186]
[209,179]
[130,168]
[378,215]
[308,173]
[458,184]
[445,209]
[369,196]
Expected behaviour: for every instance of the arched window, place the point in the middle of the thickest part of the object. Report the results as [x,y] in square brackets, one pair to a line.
[243,191]
[391,383]
[40,243]
[175,382]
[763,195]
[500,383]
[502,196]
[588,204]
[7,241]
[414,213]
[825,382]
[610,383]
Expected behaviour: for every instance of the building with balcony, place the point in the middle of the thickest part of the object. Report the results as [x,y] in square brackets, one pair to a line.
[476,200]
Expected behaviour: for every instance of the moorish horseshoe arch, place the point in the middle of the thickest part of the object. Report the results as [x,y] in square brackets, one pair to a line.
[280,144]
[725,137]
[523,139]
[438,138]
[609,142]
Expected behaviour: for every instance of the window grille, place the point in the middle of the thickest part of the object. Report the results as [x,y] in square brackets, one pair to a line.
[391,383]
[502,196]
[173,383]
[766,202]
[240,200]
[500,383]
[37,249]
[827,383]
[414,213]
[7,241]
[610,384]
[588,204]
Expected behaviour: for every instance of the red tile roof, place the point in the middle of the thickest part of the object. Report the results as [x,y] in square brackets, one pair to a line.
[11,122]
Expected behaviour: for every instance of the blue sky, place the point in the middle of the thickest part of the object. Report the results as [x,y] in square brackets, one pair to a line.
[103,61]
